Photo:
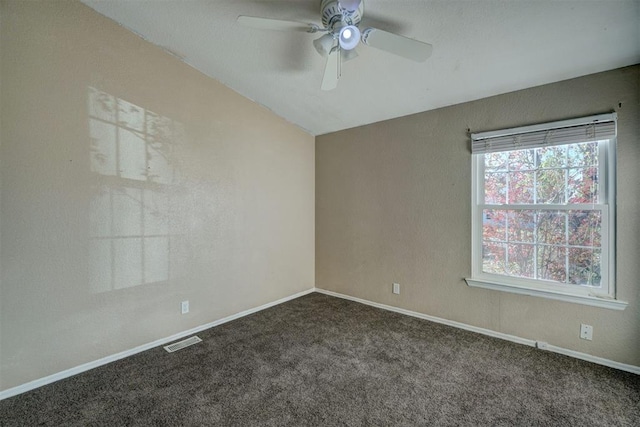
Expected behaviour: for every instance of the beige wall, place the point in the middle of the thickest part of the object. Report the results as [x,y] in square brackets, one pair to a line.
[393,204]
[97,254]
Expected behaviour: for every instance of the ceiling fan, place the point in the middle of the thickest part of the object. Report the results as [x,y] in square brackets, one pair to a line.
[340,21]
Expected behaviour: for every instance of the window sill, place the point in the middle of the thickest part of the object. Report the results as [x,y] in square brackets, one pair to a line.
[612,304]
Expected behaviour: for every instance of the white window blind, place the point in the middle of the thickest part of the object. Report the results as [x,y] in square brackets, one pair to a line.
[593,128]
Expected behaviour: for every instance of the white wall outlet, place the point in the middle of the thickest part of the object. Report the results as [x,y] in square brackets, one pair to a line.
[586,332]
[185,307]
[396,288]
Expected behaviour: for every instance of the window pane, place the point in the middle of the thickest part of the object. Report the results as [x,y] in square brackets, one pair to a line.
[494,258]
[521,260]
[522,160]
[584,266]
[550,186]
[552,263]
[585,228]
[521,226]
[495,188]
[551,157]
[563,245]
[494,225]
[582,185]
[551,227]
[521,187]
[495,162]
[582,154]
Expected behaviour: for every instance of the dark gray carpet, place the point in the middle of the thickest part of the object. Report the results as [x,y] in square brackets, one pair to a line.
[324,361]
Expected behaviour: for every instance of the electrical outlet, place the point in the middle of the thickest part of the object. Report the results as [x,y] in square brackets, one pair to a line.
[396,288]
[185,307]
[586,332]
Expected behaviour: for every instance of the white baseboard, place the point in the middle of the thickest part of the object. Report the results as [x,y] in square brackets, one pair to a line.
[112,358]
[595,359]
[532,343]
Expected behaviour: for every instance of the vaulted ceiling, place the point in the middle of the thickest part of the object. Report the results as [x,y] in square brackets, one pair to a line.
[481,48]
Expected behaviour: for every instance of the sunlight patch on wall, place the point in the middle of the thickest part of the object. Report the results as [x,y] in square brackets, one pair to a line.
[132,238]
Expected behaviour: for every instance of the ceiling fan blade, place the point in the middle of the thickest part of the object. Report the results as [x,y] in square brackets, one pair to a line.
[398,45]
[276,24]
[331,70]
[349,5]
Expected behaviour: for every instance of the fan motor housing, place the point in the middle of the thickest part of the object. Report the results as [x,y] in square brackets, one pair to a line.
[334,18]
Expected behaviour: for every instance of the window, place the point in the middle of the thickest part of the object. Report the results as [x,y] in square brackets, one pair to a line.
[544,210]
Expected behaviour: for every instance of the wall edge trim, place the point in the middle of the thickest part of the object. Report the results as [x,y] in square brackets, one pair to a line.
[513,338]
[31,385]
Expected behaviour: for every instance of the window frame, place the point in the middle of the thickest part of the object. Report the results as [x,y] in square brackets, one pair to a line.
[604,296]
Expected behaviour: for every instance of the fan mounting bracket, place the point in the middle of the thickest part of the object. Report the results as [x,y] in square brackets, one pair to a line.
[334,18]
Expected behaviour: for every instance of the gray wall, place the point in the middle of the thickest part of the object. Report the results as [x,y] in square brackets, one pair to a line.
[97,254]
[393,204]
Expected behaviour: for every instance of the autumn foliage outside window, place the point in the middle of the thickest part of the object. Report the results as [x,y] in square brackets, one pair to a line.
[542,214]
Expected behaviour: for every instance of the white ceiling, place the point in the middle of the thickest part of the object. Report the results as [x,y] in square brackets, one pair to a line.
[481,48]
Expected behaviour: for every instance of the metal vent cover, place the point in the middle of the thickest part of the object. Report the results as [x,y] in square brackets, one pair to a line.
[182,344]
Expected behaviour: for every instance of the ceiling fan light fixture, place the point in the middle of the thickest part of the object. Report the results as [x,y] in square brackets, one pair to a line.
[324,44]
[349,37]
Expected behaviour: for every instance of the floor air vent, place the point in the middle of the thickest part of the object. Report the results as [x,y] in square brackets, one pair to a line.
[182,344]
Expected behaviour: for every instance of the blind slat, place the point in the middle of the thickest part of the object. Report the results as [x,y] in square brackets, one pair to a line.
[545,138]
